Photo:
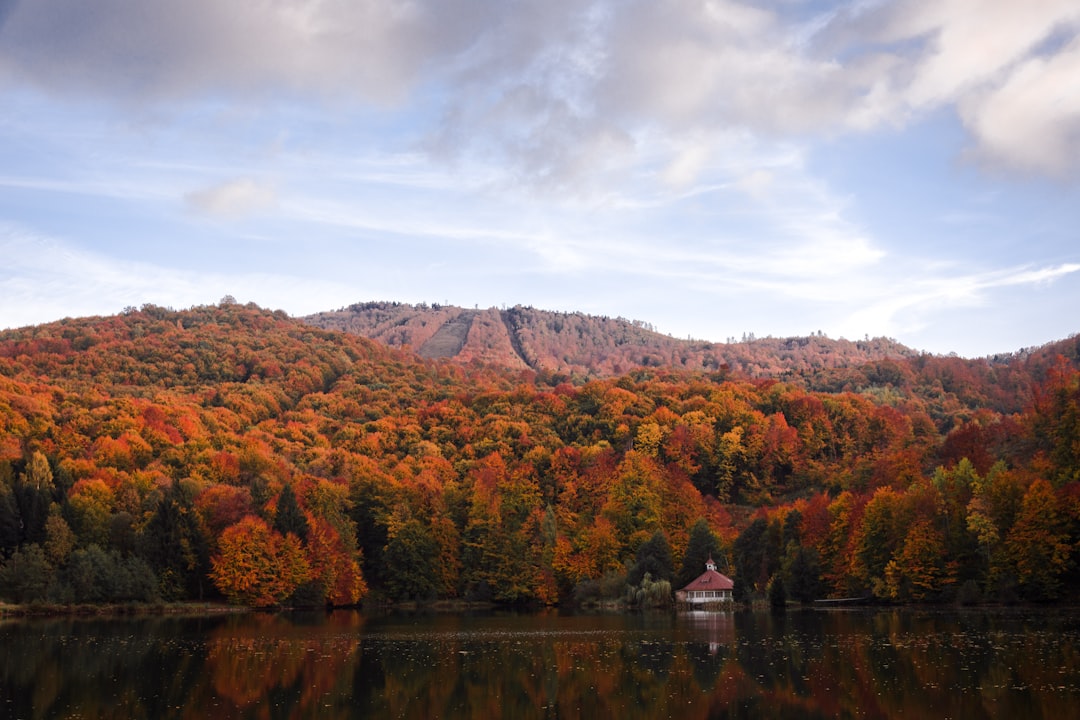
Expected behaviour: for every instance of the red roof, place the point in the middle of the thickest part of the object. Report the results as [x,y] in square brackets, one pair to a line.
[711,580]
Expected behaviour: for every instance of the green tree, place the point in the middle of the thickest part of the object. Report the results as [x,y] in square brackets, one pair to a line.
[10,520]
[654,558]
[804,575]
[701,546]
[175,545]
[34,495]
[289,518]
[26,575]
[94,575]
[410,562]
[878,539]
[649,593]
[777,593]
[755,557]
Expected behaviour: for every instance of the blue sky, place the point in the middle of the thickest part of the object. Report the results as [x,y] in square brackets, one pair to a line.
[906,168]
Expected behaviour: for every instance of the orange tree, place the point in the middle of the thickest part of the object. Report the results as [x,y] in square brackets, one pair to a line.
[256,566]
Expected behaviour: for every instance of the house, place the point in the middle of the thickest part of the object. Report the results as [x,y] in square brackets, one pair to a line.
[710,587]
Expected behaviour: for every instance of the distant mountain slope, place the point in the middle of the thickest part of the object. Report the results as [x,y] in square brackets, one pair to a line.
[580,345]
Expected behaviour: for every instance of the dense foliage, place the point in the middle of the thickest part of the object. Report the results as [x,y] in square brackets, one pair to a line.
[234,452]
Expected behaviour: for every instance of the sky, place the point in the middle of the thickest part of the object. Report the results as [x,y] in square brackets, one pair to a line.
[898,168]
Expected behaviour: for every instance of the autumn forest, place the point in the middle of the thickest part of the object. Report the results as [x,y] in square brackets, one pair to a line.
[233,453]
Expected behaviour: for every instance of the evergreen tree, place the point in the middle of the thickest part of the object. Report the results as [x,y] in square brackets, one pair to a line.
[654,558]
[289,518]
[751,556]
[804,576]
[410,560]
[175,546]
[33,496]
[777,593]
[9,520]
[26,575]
[702,546]
[792,529]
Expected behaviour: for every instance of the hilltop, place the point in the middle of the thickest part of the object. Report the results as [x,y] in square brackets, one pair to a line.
[577,347]
[584,346]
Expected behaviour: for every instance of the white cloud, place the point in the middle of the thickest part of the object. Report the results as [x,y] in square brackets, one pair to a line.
[43,279]
[1031,121]
[902,310]
[973,41]
[160,50]
[1010,68]
[232,199]
[564,91]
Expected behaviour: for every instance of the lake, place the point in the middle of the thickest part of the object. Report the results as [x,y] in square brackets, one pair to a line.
[807,664]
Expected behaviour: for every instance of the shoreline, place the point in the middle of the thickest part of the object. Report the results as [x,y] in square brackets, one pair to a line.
[52,610]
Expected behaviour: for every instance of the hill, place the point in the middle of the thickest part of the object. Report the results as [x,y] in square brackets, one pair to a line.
[235,452]
[576,347]
[584,346]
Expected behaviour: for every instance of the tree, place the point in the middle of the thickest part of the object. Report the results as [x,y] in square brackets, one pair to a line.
[650,593]
[702,546]
[10,520]
[634,499]
[777,593]
[1038,548]
[59,539]
[920,568]
[289,518]
[878,539]
[33,496]
[804,575]
[94,575]
[334,566]
[38,475]
[410,562]
[256,566]
[1056,421]
[756,555]
[90,506]
[25,576]
[175,545]
[654,558]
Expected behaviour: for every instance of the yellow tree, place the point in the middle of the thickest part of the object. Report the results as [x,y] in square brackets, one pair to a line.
[634,504]
[919,568]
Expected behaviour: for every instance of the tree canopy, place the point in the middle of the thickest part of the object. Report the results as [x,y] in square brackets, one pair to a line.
[191,451]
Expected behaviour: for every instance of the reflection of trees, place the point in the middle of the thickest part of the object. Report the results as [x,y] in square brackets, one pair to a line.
[712,637]
[729,665]
[706,662]
[272,665]
[97,668]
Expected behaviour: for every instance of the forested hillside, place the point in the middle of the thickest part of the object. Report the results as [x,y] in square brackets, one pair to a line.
[231,452]
[576,347]
[581,346]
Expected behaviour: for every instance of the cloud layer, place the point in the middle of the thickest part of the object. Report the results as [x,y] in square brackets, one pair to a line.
[568,89]
[714,166]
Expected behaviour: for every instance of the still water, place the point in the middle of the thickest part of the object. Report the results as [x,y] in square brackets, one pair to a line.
[810,664]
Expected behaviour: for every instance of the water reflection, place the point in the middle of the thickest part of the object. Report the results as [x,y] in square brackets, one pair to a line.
[694,665]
